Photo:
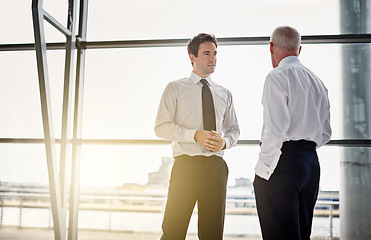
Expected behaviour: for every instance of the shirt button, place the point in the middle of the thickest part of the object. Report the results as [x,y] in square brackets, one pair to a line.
[267,173]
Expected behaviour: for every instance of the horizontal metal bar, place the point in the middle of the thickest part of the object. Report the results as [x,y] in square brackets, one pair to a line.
[137,197]
[30,46]
[350,143]
[314,39]
[87,141]
[22,140]
[341,142]
[344,38]
[133,43]
[122,142]
[248,142]
[49,18]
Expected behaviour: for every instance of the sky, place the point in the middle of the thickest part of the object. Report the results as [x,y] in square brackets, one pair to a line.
[114,77]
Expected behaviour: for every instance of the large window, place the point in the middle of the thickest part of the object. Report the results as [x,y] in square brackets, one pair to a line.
[123,86]
[165,19]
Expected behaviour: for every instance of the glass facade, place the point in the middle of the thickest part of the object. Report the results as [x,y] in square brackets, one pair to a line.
[166,19]
[114,82]
[123,87]
[20,98]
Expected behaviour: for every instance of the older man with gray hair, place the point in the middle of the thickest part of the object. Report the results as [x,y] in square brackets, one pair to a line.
[296,121]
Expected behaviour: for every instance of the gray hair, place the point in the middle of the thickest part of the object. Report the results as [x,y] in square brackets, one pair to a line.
[286,37]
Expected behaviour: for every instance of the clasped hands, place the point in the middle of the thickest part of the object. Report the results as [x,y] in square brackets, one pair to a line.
[210,140]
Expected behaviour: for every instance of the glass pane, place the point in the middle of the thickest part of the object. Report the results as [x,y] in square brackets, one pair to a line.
[20,97]
[123,88]
[116,106]
[16,22]
[124,171]
[116,165]
[24,182]
[183,19]
[241,161]
[23,164]
[17,25]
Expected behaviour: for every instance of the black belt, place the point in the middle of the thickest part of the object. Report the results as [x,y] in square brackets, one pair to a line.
[304,144]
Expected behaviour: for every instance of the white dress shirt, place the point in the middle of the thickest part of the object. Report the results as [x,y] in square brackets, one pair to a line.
[179,116]
[295,107]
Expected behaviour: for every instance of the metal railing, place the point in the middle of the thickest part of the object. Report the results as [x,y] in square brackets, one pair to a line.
[142,203]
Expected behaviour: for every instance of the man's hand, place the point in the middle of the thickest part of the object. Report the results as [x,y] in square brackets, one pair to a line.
[210,140]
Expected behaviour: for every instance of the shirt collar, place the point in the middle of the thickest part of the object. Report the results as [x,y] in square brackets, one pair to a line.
[195,78]
[289,60]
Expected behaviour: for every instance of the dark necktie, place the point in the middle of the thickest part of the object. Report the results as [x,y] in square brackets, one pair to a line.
[208,112]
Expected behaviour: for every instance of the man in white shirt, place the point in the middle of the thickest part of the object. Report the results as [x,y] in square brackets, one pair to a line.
[198,116]
[296,121]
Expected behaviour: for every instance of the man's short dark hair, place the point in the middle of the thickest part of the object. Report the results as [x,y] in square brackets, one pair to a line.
[194,43]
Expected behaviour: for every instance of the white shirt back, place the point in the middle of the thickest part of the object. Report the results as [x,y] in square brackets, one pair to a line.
[296,107]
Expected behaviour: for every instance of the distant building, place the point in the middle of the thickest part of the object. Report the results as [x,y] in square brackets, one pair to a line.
[162,176]
[243,182]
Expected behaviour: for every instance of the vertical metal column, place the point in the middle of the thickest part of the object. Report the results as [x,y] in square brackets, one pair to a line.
[355,167]
[54,181]
[69,73]
[76,148]
[58,183]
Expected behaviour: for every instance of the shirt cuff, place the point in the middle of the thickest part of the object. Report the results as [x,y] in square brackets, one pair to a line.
[189,135]
[263,170]
[227,143]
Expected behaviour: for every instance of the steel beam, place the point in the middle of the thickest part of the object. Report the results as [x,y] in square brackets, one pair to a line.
[83,44]
[58,183]
[77,123]
[57,25]
[355,166]
[54,182]
[68,90]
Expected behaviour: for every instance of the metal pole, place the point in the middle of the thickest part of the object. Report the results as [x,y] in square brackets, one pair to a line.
[2,211]
[67,100]
[109,214]
[59,214]
[77,125]
[50,218]
[20,213]
[355,167]
[331,225]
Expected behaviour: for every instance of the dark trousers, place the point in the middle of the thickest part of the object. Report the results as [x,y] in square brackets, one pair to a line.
[285,202]
[196,179]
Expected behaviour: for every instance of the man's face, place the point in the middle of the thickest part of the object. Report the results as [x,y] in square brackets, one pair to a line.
[205,63]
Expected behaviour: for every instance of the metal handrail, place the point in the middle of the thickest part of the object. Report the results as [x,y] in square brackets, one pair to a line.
[145,198]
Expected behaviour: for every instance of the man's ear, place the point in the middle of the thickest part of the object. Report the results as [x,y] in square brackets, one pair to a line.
[192,58]
[271,47]
[299,50]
